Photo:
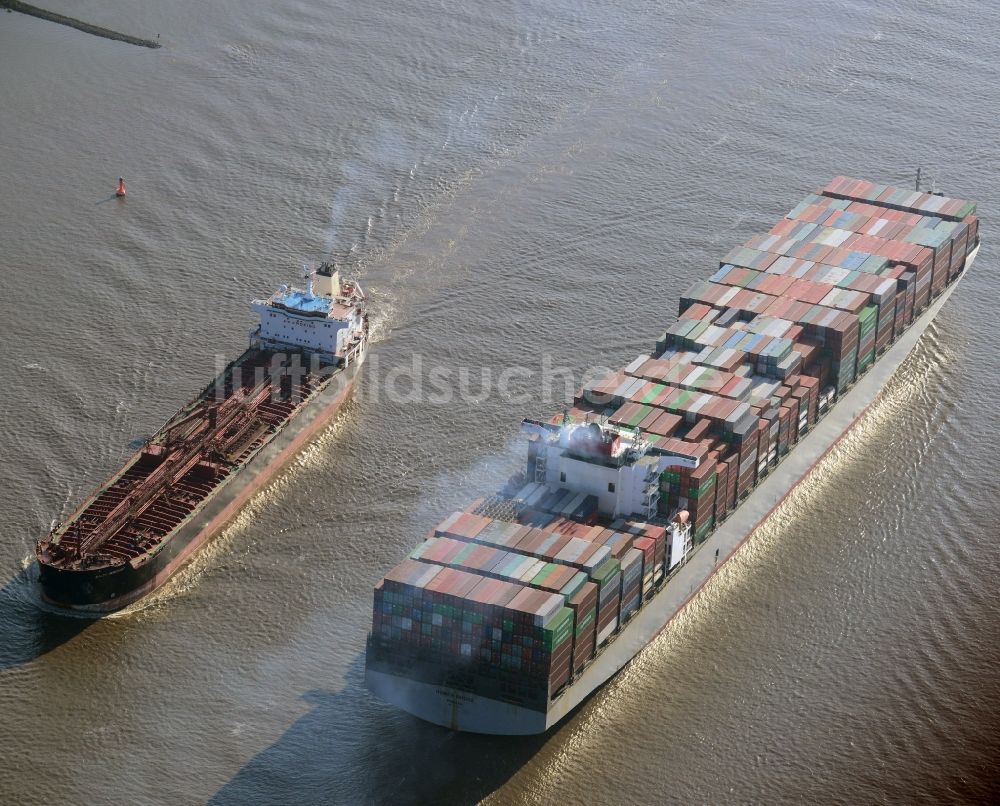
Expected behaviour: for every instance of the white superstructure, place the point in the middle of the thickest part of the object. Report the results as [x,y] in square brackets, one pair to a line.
[609,462]
[459,709]
[326,317]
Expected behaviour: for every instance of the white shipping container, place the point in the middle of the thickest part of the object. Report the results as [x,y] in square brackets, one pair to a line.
[729,293]
[604,634]
[509,531]
[631,386]
[573,550]
[532,570]
[678,545]
[786,246]
[699,404]
[572,504]
[448,522]
[630,559]
[621,391]
[801,268]
[711,335]
[523,564]
[781,265]
[596,558]
[549,608]
[636,364]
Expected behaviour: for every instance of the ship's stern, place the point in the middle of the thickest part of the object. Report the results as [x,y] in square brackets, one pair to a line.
[453,708]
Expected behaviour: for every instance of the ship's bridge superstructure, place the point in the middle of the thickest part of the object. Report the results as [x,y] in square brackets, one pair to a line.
[517,609]
[613,463]
[168,499]
[326,317]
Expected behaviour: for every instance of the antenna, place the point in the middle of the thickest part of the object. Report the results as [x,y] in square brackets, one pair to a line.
[934,188]
[307,275]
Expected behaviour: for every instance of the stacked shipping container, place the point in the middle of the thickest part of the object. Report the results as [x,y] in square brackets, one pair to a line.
[514,608]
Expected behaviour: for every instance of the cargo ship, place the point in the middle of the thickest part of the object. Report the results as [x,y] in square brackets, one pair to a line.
[191,477]
[510,613]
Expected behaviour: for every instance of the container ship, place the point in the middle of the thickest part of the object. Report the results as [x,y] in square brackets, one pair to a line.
[191,477]
[511,612]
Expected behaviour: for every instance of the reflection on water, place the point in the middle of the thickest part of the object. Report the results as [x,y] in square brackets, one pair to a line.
[508,181]
[30,627]
[333,754]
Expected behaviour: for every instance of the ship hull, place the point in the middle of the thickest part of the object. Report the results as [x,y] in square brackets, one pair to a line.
[106,590]
[466,711]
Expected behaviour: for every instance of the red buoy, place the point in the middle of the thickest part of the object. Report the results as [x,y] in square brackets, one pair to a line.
[121,187]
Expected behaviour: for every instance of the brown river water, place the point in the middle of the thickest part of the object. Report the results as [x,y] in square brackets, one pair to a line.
[523,185]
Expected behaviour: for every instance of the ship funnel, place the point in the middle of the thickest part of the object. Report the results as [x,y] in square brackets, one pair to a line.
[327,280]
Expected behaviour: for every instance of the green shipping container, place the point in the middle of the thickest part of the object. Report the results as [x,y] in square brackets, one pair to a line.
[585,621]
[540,577]
[605,571]
[702,531]
[558,629]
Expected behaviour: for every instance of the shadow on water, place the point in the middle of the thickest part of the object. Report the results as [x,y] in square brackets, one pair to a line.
[27,629]
[351,749]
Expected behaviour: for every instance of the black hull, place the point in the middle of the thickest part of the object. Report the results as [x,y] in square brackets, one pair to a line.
[91,589]
[106,589]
